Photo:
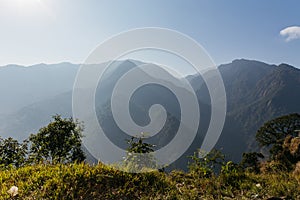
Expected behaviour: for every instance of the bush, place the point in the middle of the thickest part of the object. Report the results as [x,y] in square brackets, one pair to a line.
[250,161]
[205,165]
[140,157]
[232,174]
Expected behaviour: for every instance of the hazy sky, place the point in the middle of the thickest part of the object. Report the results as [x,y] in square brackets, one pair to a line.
[51,31]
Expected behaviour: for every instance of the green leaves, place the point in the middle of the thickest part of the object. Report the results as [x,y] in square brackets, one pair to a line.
[250,161]
[276,133]
[137,145]
[277,129]
[139,156]
[12,152]
[59,141]
[204,165]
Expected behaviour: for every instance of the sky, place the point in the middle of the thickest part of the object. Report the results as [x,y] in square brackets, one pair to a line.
[53,31]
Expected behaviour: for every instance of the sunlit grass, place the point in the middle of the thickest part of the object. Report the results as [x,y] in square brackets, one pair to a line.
[82,181]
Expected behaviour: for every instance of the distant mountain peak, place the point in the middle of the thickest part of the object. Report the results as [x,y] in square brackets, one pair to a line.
[287,66]
[247,61]
[12,66]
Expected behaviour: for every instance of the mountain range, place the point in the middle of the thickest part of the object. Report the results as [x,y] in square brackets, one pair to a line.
[256,92]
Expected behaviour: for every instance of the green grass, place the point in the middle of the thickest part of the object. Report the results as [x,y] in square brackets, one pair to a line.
[82,181]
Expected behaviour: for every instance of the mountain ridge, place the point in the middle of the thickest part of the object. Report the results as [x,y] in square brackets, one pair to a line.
[256,92]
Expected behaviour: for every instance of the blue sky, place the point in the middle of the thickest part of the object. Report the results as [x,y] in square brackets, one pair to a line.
[52,31]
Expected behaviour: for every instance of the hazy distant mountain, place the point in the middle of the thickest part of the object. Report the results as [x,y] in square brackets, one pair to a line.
[256,92]
[21,86]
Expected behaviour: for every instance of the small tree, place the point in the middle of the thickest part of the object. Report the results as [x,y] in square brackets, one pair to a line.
[59,141]
[139,155]
[12,152]
[273,133]
[137,145]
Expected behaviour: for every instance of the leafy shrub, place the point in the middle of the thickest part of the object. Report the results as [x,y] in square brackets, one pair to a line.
[12,153]
[140,157]
[205,165]
[250,161]
[273,167]
[232,174]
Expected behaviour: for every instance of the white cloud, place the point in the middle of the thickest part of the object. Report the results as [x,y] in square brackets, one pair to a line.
[291,33]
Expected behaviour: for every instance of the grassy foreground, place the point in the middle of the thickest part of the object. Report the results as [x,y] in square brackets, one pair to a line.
[82,181]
